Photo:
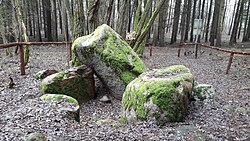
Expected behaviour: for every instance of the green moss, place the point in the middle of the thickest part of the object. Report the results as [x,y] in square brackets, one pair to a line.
[242,110]
[58,97]
[38,75]
[123,120]
[172,69]
[68,88]
[114,52]
[198,93]
[163,93]
[59,76]
[127,77]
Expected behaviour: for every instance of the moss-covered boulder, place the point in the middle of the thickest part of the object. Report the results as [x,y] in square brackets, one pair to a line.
[161,95]
[114,61]
[76,82]
[68,106]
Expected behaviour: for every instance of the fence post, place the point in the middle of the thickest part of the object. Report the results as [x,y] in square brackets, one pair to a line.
[230,62]
[179,50]
[196,50]
[151,50]
[22,66]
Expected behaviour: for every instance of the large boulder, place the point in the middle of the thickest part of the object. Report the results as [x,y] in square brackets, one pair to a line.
[161,95]
[76,82]
[114,61]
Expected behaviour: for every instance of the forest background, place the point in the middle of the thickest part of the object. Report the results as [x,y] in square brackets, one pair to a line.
[157,22]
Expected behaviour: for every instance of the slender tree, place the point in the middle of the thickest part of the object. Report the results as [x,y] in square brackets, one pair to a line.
[187,28]
[192,21]
[236,22]
[176,21]
[208,20]
[22,33]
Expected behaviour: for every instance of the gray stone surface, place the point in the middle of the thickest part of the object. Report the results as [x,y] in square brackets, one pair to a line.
[114,61]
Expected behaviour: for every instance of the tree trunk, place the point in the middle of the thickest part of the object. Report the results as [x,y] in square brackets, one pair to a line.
[156,31]
[162,23]
[232,18]
[183,20]
[22,29]
[236,22]
[192,21]
[109,12]
[38,28]
[78,19]
[214,26]
[141,23]
[208,20]
[176,21]
[246,20]
[147,26]
[220,23]
[93,6]
[189,6]
[48,20]
[54,20]
[247,28]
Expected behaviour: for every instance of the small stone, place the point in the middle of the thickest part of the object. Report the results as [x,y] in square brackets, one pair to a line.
[36,136]
[105,99]
[203,91]
[43,74]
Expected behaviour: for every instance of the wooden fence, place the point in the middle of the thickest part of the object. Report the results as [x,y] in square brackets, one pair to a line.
[21,49]
[232,53]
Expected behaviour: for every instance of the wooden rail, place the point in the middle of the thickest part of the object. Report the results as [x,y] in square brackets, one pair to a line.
[21,50]
[215,48]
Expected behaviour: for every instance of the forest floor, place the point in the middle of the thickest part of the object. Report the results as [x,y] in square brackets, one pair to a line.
[225,117]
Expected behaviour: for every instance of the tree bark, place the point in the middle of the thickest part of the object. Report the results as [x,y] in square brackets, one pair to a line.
[162,23]
[236,22]
[220,23]
[208,20]
[183,20]
[214,26]
[176,21]
[192,21]
[189,6]
[147,26]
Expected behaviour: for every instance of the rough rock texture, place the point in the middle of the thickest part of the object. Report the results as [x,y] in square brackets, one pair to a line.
[44,73]
[36,136]
[161,95]
[113,60]
[70,112]
[76,82]
[203,91]
[58,97]
[191,133]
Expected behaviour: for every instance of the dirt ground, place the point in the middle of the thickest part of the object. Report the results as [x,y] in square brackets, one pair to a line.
[225,117]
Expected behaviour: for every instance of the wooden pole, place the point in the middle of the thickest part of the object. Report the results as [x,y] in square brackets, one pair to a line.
[230,62]
[179,52]
[22,65]
[196,50]
[151,50]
